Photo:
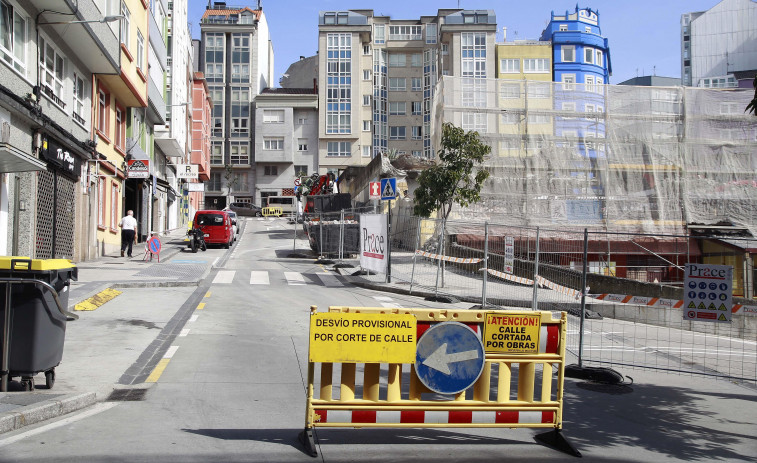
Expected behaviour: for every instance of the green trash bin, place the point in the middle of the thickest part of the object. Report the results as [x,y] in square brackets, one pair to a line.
[37,324]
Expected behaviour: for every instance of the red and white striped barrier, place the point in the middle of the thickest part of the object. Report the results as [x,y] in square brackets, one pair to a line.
[549,339]
[574,293]
[508,277]
[432,417]
[661,302]
[457,260]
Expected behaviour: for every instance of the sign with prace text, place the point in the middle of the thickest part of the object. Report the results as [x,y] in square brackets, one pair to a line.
[373,242]
[362,338]
[512,333]
[707,292]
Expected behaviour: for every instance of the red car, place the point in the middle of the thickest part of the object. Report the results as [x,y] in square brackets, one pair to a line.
[215,226]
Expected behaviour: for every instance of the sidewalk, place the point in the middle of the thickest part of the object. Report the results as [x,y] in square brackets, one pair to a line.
[150,289]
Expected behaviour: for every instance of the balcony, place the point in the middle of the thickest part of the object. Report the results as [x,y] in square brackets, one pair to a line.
[156,107]
[96,42]
[263,156]
[169,145]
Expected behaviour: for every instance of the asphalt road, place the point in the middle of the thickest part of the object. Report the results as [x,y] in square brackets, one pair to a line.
[232,388]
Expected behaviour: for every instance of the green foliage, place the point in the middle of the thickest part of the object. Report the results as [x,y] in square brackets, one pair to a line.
[452,180]
[752,106]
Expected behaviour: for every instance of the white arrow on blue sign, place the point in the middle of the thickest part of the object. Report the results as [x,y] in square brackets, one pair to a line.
[388,188]
[449,358]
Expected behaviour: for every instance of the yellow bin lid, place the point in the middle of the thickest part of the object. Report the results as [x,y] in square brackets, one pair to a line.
[20,263]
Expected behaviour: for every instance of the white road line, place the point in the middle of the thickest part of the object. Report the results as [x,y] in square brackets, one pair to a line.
[184,332]
[224,277]
[391,305]
[294,278]
[330,281]
[169,353]
[259,278]
[193,318]
[382,298]
[97,408]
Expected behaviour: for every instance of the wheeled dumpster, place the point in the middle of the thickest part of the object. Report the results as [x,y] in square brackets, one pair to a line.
[34,295]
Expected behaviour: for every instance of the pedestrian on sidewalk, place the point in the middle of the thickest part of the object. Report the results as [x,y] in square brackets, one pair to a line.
[128,232]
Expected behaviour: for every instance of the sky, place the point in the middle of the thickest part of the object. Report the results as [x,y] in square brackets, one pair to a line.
[644,35]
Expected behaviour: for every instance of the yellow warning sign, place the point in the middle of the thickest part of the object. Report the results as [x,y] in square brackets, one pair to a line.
[722,318]
[692,305]
[722,307]
[514,334]
[362,338]
[702,306]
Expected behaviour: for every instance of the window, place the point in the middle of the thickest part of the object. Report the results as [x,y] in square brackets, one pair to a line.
[113,206]
[569,107]
[473,54]
[216,155]
[51,70]
[588,55]
[397,108]
[338,148]
[276,144]
[140,50]
[587,29]
[138,127]
[78,112]
[302,120]
[416,105]
[431,33]
[510,117]
[366,126]
[538,119]
[397,84]
[415,84]
[101,202]
[366,100]
[240,112]
[417,132]
[271,170]
[125,24]
[378,33]
[273,116]
[366,49]
[568,81]
[509,90]
[239,182]
[600,58]
[240,153]
[302,144]
[404,32]
[13,37]
[214,184]
[568,53]
[416,60]
[445,49]
[474,121]
[509,65]
[366,74]
[397,132]
[214,58]
[339,83]
[416,154]
[366,151]
[103,106]
[536,65]
[120,139]
[397,59]
[538,89]
[589,84]
[563,27]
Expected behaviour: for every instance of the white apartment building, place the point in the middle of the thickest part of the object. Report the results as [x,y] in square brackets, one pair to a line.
[377,76]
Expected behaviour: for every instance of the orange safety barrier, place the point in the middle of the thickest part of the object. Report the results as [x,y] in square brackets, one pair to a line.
[514,390]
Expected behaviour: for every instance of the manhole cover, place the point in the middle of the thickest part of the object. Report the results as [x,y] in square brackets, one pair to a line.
[127,395]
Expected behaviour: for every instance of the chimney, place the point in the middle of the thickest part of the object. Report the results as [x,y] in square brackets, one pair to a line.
[504,34]
[302,57]
[315,84]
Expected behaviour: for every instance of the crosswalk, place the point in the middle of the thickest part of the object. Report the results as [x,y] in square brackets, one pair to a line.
[277,277]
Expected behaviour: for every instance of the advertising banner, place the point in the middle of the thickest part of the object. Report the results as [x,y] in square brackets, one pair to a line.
[373,242]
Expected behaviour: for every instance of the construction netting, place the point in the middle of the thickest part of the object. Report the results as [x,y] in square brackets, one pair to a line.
[608,157]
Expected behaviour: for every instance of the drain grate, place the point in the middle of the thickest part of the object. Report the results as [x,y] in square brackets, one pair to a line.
[127,395]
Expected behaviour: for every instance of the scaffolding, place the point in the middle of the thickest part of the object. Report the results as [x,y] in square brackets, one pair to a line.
[608,158]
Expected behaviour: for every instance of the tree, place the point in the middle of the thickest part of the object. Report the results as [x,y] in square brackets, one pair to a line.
[752,106]
[231,181]
[452,180]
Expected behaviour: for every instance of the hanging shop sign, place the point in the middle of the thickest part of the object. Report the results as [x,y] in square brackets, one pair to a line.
[58,155]
[138,168]
[187,171]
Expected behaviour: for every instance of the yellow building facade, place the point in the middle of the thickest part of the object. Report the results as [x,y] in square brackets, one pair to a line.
[114,118]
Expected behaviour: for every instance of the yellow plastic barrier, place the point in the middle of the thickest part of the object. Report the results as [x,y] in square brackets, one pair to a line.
[272,211]
[521,350]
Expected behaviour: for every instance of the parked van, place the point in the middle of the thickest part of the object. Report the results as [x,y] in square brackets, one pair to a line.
[215,226]
[287,204]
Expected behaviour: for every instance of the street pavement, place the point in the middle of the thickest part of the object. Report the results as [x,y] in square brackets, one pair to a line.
[113,350]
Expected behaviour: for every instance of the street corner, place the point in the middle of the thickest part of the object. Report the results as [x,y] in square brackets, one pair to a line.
[97,300]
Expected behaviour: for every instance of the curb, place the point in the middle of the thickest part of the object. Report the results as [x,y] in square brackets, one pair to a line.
[46,410]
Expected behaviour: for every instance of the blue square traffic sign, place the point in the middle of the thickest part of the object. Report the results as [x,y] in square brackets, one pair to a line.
[388,188]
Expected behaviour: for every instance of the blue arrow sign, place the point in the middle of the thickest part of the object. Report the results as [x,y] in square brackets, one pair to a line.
[449,358]
[388,188]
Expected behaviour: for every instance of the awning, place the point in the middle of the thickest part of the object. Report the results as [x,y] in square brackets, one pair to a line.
[13,159]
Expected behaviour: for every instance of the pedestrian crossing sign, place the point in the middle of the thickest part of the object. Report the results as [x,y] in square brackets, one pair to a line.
[388,188]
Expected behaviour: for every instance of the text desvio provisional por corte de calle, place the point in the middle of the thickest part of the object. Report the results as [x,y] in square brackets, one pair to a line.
[363,337]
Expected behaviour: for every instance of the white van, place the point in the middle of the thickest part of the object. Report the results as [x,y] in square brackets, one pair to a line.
[288,204]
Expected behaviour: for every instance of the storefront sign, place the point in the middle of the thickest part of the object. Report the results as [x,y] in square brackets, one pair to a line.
[187,171]
[59,156]
[138,168]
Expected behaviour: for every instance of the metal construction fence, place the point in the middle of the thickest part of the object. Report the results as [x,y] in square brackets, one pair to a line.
[629,314]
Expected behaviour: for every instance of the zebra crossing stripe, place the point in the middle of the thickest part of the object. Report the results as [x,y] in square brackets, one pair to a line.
[259,278]
[224,276]
[294,278]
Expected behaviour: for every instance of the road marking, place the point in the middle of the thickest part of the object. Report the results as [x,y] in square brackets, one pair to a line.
[159,368]
[382,298]
[200,306]
[193,318]
[390,305]
[259,278]
[224,277]
[184,332]
[169,353]
[330,281]
[97,300]
[207,294]
[294,278]
[94,410]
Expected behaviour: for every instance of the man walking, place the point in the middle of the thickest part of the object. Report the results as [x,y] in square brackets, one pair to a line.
[128,232]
